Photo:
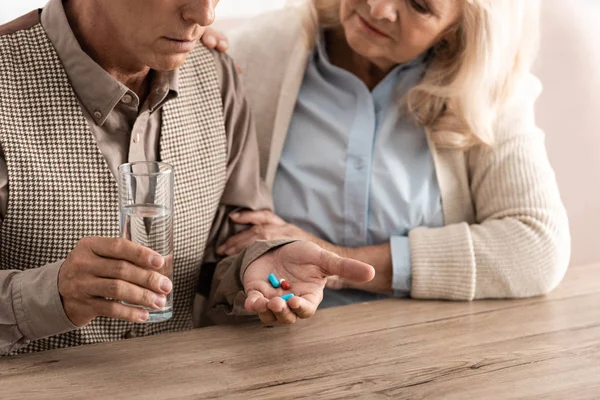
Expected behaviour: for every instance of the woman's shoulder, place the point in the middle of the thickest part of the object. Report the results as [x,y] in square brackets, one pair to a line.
[527,90]
[517,115]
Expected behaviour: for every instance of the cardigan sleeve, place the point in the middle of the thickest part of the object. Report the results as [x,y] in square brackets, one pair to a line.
[519,245]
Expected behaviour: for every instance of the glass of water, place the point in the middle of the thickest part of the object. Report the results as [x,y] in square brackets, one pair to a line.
[146,213]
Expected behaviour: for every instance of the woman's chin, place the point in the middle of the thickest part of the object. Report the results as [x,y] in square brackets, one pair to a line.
[364,47]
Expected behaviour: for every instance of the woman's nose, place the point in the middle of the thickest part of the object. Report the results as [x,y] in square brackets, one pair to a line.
[384,9]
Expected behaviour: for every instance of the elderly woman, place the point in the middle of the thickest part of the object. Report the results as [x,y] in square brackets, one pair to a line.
[402,133]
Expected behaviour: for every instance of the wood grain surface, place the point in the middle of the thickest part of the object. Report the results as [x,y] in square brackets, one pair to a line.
[545,347]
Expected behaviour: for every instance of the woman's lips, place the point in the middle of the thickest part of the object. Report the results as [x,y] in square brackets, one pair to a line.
[371,29]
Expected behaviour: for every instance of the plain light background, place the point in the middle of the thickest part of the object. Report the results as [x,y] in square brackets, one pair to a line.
[11,9]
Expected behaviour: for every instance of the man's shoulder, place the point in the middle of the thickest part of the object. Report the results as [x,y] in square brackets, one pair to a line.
[274,29]
[22,23]
[211,55]
[223,64]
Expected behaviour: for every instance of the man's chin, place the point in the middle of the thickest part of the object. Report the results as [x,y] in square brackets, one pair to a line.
[169,63]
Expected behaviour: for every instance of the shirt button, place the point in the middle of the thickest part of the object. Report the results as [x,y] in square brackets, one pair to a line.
[359,163]
[136,137]
[127,99]
[97,114]
[161,90]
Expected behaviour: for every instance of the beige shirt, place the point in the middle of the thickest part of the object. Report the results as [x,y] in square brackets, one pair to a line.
[127,131]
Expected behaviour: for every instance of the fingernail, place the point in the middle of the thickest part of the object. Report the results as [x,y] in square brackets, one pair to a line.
[143,316]
[235,215]
[160,301]
[166,285]
[223,44]
[211,41]
[221,249]
[157,261]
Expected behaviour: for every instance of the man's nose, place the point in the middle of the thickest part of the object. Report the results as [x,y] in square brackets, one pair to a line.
[201,12]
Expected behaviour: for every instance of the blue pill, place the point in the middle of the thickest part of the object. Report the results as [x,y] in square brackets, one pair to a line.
[274,281]
[288,296]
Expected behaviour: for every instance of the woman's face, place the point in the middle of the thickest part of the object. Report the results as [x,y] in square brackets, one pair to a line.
[390,32]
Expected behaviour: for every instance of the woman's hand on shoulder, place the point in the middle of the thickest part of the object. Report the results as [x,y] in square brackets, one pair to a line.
[265,225]
[216,40]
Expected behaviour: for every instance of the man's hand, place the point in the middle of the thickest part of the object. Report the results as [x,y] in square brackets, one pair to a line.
[213,39]
[99,268]
[266,226]
[306,267]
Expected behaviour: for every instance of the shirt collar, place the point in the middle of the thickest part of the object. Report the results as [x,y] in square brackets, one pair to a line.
[95,88]
[395,82]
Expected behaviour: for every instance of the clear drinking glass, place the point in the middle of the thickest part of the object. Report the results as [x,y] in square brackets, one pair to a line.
[146,214]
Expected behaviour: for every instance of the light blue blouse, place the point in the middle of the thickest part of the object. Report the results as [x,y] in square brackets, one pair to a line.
[354,171]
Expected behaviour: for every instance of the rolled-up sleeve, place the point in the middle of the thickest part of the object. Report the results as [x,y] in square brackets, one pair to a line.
[30,306]
[245,189]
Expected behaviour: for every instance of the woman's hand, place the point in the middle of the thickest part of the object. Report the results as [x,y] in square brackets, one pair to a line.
[380,256]
[267,226]
[380,284]
[213,39]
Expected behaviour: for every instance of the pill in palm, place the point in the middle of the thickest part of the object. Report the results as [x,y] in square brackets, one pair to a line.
[273,280]
[285,285]
[288,296]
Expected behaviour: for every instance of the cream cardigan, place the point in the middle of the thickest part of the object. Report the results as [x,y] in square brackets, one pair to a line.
[506,232]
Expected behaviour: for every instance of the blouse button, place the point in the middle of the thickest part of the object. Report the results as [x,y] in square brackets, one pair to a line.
[359,163]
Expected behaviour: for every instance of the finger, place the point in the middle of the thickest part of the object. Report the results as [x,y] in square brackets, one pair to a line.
[209,40]
[335,283]
[303,307]
[125,271]
[125,291]
[238,242]
[266,316]
[214,36]
[262,217]
[345,268]
[123,249]
[252,297]
[256,302]
[282,312]
[222,46]
[113,309]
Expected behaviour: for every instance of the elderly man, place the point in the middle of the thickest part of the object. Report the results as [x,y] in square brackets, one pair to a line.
[86,85]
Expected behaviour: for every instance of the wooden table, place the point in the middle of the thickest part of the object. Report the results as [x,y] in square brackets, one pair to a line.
[535,348]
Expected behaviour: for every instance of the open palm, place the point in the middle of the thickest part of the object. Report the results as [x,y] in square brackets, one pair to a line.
[306,267]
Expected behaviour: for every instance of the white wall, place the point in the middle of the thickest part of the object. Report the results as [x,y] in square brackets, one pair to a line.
[11,9]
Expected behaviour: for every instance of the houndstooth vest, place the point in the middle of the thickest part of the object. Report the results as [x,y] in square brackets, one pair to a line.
[61,189]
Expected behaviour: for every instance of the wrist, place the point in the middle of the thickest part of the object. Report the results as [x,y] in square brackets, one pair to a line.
[347,252]
[339,250]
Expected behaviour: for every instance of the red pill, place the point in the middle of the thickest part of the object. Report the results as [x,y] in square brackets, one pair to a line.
[285,285]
